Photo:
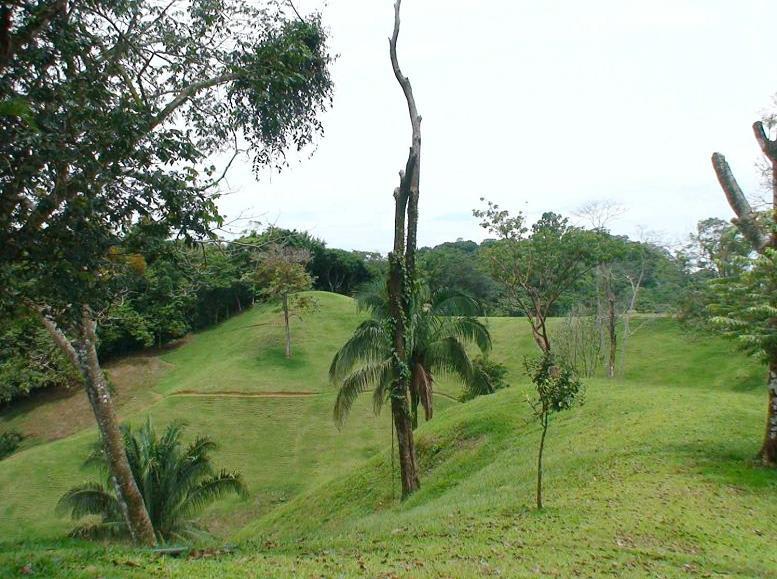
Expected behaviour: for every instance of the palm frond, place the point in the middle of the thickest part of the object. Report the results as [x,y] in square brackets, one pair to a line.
[450,356]
[453,302]
[365,378]
[369,344]
[99,530]
[469,329]
[212,489]
[383,387]
[90,498]
[374,298]
[422,383]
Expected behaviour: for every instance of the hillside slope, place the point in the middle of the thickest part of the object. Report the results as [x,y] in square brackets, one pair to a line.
[231,382]
[651,476]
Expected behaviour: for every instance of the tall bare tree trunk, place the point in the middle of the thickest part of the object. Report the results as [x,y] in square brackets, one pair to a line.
[84,357]
[286,324]
[611,325]
[761,240]
[402,276]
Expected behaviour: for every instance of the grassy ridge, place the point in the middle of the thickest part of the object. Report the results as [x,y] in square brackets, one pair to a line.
[652,476]
[281,445]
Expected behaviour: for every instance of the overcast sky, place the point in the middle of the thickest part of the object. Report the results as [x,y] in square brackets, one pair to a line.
[536,105]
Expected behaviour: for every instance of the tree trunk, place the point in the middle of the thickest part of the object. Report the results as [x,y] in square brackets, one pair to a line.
[128,494]
[85,359]
[538,328]
[761,240]
[402,276]
[286,324]
[599,277]
[539,461]
[408,464]
[768,451]
[625,341]
[612,319]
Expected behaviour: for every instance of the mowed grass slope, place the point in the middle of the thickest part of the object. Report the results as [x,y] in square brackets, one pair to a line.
[653,475]
[281,444]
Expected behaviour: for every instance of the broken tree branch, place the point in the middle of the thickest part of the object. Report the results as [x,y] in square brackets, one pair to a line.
[745,218]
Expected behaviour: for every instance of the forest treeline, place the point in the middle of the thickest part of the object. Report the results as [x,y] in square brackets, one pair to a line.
[173,288]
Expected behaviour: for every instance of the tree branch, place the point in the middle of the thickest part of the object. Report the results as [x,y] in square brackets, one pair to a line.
[768,146]
[410,179]
[10,43]
[59,338]
[188,92]
[745,218]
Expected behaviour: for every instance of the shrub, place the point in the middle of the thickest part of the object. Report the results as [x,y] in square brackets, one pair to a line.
[176,482]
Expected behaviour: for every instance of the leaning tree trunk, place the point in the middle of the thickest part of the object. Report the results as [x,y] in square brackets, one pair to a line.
[84,357]
[401,277]
[761,241]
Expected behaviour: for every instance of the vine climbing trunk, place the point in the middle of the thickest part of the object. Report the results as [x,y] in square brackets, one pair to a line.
[83,355]
[402,276]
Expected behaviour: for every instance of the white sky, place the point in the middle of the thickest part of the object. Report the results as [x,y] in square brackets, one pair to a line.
[536,105]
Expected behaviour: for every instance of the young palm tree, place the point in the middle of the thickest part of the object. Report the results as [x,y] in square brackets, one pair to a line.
[441,325]
[176,483]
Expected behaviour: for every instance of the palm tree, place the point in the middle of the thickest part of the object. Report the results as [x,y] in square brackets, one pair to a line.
[440,325]
[176,482]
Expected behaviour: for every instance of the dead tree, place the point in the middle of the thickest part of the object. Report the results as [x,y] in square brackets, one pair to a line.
[761,240]
[401,276]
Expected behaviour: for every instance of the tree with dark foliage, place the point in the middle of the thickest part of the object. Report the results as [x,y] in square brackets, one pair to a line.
[109,112]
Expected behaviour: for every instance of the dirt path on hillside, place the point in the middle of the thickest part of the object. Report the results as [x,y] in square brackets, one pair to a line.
[238,394]
[448,396]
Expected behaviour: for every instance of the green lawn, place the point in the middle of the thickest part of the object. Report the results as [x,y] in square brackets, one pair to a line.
[652,476]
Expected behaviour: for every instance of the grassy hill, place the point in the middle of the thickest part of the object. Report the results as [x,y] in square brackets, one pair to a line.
[652,476]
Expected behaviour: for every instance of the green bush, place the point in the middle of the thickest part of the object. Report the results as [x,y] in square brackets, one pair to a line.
[9,442]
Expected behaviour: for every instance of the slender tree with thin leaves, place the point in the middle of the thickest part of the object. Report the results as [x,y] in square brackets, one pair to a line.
[558,389]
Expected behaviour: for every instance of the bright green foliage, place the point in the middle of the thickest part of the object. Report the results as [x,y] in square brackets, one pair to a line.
[744,307]
[440,326]
[176,482]
[558,389]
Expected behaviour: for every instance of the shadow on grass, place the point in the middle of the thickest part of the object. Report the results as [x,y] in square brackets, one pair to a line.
[276,356]
[735,465]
